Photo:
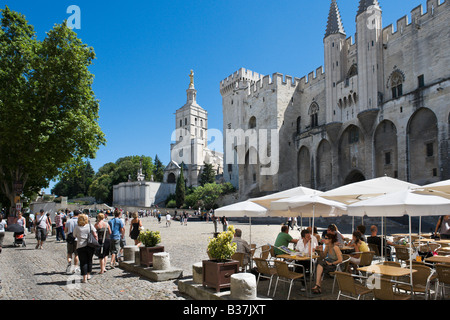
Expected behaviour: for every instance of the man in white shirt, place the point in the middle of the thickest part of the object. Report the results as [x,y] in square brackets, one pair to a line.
[304,244]
[168,217]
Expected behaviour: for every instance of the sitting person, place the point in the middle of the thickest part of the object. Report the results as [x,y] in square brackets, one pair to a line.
[283,240]
[332,229]
[362,229]
[332,257]
[304,244]
[316,235]
[374,239]
[359,246]
[242,246]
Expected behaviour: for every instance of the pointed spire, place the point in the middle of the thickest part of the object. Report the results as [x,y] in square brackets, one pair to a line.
[334,24]
[366,4]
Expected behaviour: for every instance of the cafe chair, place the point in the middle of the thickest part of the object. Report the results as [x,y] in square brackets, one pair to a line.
[286,275]
[264,271]
[384,290]
[265,251]
[373,247]
[421,280]
[239,256]
[348,287]
[341,267]
[401,253]
[443,279]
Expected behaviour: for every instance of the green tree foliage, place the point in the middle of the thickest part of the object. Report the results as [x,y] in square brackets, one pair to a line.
[207,175]
[180,189]
[48,110]
[158,173]
[111,174]
[76,182]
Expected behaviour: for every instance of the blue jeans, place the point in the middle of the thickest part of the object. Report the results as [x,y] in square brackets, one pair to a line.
[60,231]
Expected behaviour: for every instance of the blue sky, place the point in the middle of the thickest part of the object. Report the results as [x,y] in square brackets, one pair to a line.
[145,50]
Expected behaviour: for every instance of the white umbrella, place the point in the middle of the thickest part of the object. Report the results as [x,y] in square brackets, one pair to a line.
[298,191]
[362,190]
[309,206]
[243,209]
[398,204]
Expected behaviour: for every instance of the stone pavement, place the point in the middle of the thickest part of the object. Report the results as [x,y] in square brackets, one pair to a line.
[31,274]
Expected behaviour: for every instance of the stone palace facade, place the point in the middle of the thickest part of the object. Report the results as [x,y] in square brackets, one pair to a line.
[379,106]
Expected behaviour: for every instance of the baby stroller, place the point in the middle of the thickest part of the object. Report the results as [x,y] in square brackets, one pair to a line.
[19,235]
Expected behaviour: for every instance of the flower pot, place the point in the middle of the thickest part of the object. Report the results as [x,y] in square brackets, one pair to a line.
[217,274]
[146,255]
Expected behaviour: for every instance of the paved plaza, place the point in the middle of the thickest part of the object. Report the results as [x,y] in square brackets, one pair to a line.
[31,274]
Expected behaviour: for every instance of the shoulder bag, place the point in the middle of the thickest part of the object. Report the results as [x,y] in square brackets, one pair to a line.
[91,241]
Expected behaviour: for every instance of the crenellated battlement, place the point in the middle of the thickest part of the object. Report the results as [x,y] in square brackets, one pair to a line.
[257,83]
[418,19]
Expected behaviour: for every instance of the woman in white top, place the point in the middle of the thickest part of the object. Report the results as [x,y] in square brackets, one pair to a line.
[85,253]
[3,227]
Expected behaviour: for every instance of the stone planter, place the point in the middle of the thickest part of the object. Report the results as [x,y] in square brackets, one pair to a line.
[217,274]
[146,255]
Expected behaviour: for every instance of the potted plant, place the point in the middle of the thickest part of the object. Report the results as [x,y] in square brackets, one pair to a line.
[149,239]
[218,269]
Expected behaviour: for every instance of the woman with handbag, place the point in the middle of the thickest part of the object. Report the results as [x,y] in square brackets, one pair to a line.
[86,236]
[103,231]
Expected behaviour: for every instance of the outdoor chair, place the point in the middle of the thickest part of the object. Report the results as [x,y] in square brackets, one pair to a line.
[265,251]
[342,267]
[264,271]
[373,247]
[348,287]
[285,275]
[239,256]
[443,279]
[365,260]
[384,290]
[401,253]
[421,280]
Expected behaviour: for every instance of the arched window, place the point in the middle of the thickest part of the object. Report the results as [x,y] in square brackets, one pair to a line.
[314,114]
[396,84]
[252,123]
[299,122]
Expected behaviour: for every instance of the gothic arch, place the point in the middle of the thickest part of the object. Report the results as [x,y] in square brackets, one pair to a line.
[422,135]
[304,167]
[252,122]
[351,151]
[385,149]
[324,166]
[171,178]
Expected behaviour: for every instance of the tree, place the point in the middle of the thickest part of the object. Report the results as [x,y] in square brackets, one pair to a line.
[48,110]
[180,189]
[208,194]
[207,175]
[75,182]
[158,172]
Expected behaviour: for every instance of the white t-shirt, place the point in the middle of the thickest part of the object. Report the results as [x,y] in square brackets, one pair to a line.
[305,248]
[2,226]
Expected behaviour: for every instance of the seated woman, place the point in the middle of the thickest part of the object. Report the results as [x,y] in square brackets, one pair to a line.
[333,256]
[360,246]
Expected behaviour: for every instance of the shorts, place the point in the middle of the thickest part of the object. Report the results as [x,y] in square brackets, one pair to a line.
[72,248]
[114,246]
[41,234]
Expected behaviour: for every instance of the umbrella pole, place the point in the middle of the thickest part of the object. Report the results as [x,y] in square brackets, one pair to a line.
[382,239]
[410,254]
[310,250]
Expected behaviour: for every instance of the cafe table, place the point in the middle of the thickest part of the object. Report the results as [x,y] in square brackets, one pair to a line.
[443,242]
[296,257]
[438,259]
[387,270]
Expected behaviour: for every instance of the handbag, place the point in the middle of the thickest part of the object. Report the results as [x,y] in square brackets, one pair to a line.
[91,241]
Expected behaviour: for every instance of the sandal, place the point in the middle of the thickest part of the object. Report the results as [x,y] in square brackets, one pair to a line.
[316,290]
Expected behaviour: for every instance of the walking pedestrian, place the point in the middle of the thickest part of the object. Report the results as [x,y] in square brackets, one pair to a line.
[59,227]
[41,225]
[3,226]
[117,232]
[135,229]
[104,233]
[168,217]
[224,223]
[72,243]
[85,253]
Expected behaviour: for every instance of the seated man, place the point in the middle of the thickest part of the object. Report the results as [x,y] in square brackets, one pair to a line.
[304,244]
[332,229]
[242,246]
[283,240]
[374,239]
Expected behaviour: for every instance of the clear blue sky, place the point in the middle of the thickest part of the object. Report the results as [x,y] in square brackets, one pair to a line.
[145,50]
